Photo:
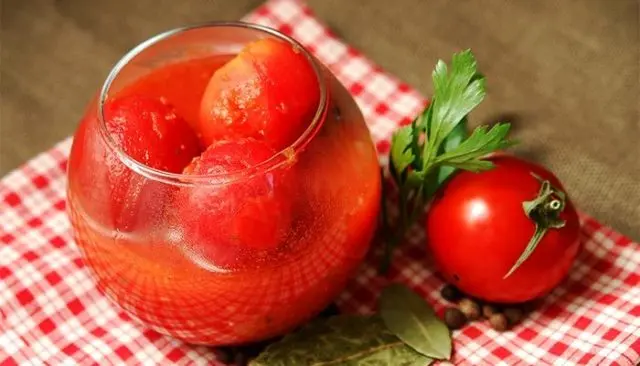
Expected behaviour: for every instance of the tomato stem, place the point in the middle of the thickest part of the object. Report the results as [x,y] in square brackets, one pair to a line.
[544,211]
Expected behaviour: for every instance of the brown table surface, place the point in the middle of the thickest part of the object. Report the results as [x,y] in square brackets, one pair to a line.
[566,72]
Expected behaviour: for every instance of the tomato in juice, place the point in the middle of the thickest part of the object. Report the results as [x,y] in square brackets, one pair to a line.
[156,271]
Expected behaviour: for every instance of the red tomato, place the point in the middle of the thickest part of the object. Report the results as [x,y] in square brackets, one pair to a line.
[238,224]
[269,91]
[147,130]
[150,131]
[477,229]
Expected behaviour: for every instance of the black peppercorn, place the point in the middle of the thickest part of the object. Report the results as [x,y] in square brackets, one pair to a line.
[454,318]
[470,308]
[514,315]
[488,310]
[450,293]
[499,322]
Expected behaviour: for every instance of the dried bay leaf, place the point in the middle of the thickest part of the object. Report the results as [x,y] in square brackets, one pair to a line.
[341,340]
[410,318]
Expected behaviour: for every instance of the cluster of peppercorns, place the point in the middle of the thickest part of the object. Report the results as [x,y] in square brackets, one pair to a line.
[501,318]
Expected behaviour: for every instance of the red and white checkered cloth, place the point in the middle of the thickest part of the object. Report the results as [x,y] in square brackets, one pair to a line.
[51,311]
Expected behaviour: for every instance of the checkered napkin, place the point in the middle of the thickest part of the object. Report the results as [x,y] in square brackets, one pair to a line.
[51,311]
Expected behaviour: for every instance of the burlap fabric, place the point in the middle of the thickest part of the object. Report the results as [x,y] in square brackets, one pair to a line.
[566,72]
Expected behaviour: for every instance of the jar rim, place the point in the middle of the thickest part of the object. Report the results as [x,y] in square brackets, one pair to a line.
[281,158]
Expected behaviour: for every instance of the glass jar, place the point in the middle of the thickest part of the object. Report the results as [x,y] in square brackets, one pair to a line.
[148,257]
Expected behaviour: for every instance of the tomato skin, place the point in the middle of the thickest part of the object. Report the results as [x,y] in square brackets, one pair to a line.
[149,131]
[235,225]
[476,229]
[269,91]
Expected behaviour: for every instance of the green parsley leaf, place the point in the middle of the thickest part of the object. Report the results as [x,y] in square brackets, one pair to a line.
[453,140]
[456,93]
[425,153]
[474,165]
[482,141]
[401,153]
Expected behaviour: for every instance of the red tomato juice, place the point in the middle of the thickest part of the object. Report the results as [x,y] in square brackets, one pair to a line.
[155,272]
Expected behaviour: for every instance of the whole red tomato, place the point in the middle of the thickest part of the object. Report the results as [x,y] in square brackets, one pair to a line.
[236,225]
[269,91]
[478,227]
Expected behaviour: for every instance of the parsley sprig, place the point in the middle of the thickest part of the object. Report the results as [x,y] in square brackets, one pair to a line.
[435,144]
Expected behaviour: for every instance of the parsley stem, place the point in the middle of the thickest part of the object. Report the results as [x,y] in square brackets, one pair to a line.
[390,243]
[409,213]
[411,205]
[393,236]
[418,206]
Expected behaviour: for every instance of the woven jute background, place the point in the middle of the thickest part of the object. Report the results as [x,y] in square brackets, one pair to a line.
[565,72]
